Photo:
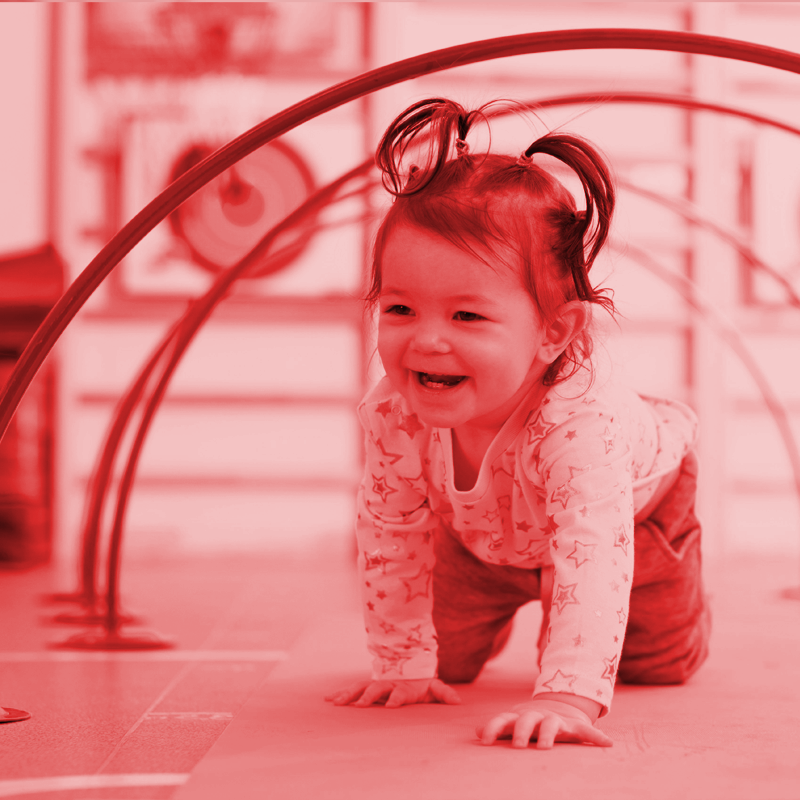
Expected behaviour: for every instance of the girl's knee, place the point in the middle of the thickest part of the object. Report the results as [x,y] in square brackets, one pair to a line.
[670,671]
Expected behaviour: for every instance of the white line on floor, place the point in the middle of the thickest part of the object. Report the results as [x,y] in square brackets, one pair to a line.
[213,716]
[61,783]
[153,655]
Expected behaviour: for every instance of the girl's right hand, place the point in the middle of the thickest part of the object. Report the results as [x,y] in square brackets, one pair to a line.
[395,693]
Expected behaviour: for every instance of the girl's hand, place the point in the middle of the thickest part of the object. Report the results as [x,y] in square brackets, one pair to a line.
[395,693]
[547,721]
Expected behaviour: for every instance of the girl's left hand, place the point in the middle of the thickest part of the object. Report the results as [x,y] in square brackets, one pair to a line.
[547,721]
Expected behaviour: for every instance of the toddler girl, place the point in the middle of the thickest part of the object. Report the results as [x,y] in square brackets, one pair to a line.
[501,465]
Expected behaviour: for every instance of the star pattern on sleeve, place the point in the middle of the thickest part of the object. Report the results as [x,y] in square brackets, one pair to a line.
[573,471]
[539,428]
[419,585]
[551,529]
[415,635]
[560,681]
[608,440]
[621,539]
[563,494]
[534,548]
[501,470]
[565,596]
[583,553]
[610,671]
[394,662]
[381,487]
[417,483]
[496,540]
[393,457]
[375,560]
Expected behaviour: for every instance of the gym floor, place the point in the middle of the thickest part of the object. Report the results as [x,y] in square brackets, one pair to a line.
[236,708]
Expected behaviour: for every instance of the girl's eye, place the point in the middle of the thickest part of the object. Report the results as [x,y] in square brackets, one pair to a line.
[401,311]
[467,316]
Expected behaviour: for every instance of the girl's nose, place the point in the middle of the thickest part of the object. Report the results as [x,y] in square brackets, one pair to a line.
[430,339]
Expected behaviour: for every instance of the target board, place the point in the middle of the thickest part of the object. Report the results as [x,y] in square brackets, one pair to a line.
[222,222]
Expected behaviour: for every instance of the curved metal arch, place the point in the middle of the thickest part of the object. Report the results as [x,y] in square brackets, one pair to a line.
[682,207]
[181,336]
[474,52]
[189,325]
[731,336]
[690,213]
[184,332]
[661,99]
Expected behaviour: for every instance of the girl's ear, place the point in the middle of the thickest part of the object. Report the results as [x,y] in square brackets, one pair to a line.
[570,320]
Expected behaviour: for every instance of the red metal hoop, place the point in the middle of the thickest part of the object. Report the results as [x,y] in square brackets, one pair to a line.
[474,52]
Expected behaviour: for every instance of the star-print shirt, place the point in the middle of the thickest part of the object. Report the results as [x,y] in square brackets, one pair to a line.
[560,485]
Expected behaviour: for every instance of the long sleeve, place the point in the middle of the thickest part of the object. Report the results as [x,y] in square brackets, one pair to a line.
[584,462]
[395,528]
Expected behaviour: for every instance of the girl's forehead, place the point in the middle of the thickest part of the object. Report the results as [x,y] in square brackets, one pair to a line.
[417,257]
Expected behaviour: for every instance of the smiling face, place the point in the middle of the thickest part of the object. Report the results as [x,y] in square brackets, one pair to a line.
[459,339]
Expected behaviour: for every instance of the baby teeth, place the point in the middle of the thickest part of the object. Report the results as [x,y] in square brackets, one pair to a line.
[439,381]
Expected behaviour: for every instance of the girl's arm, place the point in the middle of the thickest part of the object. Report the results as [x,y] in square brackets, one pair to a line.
[584,460]
[395,528]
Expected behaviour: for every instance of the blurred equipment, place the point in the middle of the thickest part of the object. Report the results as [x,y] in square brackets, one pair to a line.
[227,217]
[190,39]
[30,284]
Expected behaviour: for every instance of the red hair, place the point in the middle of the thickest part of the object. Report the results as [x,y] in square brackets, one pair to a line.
[501,205]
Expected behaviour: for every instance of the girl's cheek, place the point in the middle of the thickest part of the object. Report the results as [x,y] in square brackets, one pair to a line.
[387,345]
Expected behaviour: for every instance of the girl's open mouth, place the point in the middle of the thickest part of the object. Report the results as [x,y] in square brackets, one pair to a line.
[432,381]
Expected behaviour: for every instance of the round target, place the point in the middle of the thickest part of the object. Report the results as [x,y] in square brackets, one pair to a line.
[223,221]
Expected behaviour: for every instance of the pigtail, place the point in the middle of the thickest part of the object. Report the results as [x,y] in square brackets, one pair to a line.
[581,234]
[443,122]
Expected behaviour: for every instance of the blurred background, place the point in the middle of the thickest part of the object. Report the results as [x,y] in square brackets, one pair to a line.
[256,447]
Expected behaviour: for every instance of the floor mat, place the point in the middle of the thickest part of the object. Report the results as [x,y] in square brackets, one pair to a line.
[732,732]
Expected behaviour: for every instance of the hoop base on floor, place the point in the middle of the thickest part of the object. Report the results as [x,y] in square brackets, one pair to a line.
[92,617]
[106,640]
[14,715]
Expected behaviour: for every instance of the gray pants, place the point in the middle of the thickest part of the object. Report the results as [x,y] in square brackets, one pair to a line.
[669,621]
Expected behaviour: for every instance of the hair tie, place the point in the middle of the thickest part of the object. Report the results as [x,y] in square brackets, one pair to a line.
[524,160]
[462,148]
[413,175]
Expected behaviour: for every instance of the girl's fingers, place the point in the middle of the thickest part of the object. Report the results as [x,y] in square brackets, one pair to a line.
[500,726]
[548,731]
[400,696]
[523,730]
[596,736]
[373,694]
[345,696]
[444,693]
